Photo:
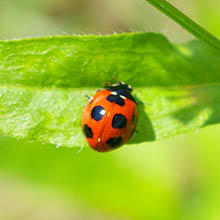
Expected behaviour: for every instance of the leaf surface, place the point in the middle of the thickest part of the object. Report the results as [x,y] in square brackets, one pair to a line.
[43,83]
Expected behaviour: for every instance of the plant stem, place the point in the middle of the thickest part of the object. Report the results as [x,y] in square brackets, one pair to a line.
[185,22]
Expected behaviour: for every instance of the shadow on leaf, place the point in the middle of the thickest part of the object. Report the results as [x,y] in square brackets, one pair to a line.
[205,98]
[144,131]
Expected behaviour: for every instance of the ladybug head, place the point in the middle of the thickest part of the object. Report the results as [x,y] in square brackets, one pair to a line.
[118,86]
[125,86]
[122,89]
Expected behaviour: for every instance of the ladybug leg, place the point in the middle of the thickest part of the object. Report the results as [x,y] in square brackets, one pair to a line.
[143,103]
[90,98]
[80,149]
[139,102]
[136,131]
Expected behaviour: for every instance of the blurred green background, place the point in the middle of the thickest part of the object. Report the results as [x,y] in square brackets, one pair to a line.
[176,179]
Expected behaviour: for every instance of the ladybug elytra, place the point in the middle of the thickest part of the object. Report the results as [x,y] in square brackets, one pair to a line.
[110,118]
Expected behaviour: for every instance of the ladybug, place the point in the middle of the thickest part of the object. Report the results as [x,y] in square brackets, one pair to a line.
[110,118]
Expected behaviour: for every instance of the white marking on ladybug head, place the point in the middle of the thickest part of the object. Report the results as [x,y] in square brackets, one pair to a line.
[123,97]
[114,93]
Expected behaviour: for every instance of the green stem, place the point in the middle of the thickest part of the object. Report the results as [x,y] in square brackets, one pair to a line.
[185,22]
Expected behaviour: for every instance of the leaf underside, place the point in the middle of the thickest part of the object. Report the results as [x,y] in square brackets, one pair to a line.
[43,83]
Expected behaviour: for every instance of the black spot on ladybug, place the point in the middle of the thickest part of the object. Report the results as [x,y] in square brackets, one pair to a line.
[98,112]
[87,131]
[133,118]
[117,99]
[119,121]
[114,142]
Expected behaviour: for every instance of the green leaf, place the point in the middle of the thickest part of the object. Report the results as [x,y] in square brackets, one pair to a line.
[44,82]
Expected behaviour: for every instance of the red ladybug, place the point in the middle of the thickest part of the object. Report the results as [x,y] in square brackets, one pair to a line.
[110,118]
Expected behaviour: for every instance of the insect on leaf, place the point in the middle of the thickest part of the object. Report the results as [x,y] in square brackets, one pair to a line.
[43,83]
